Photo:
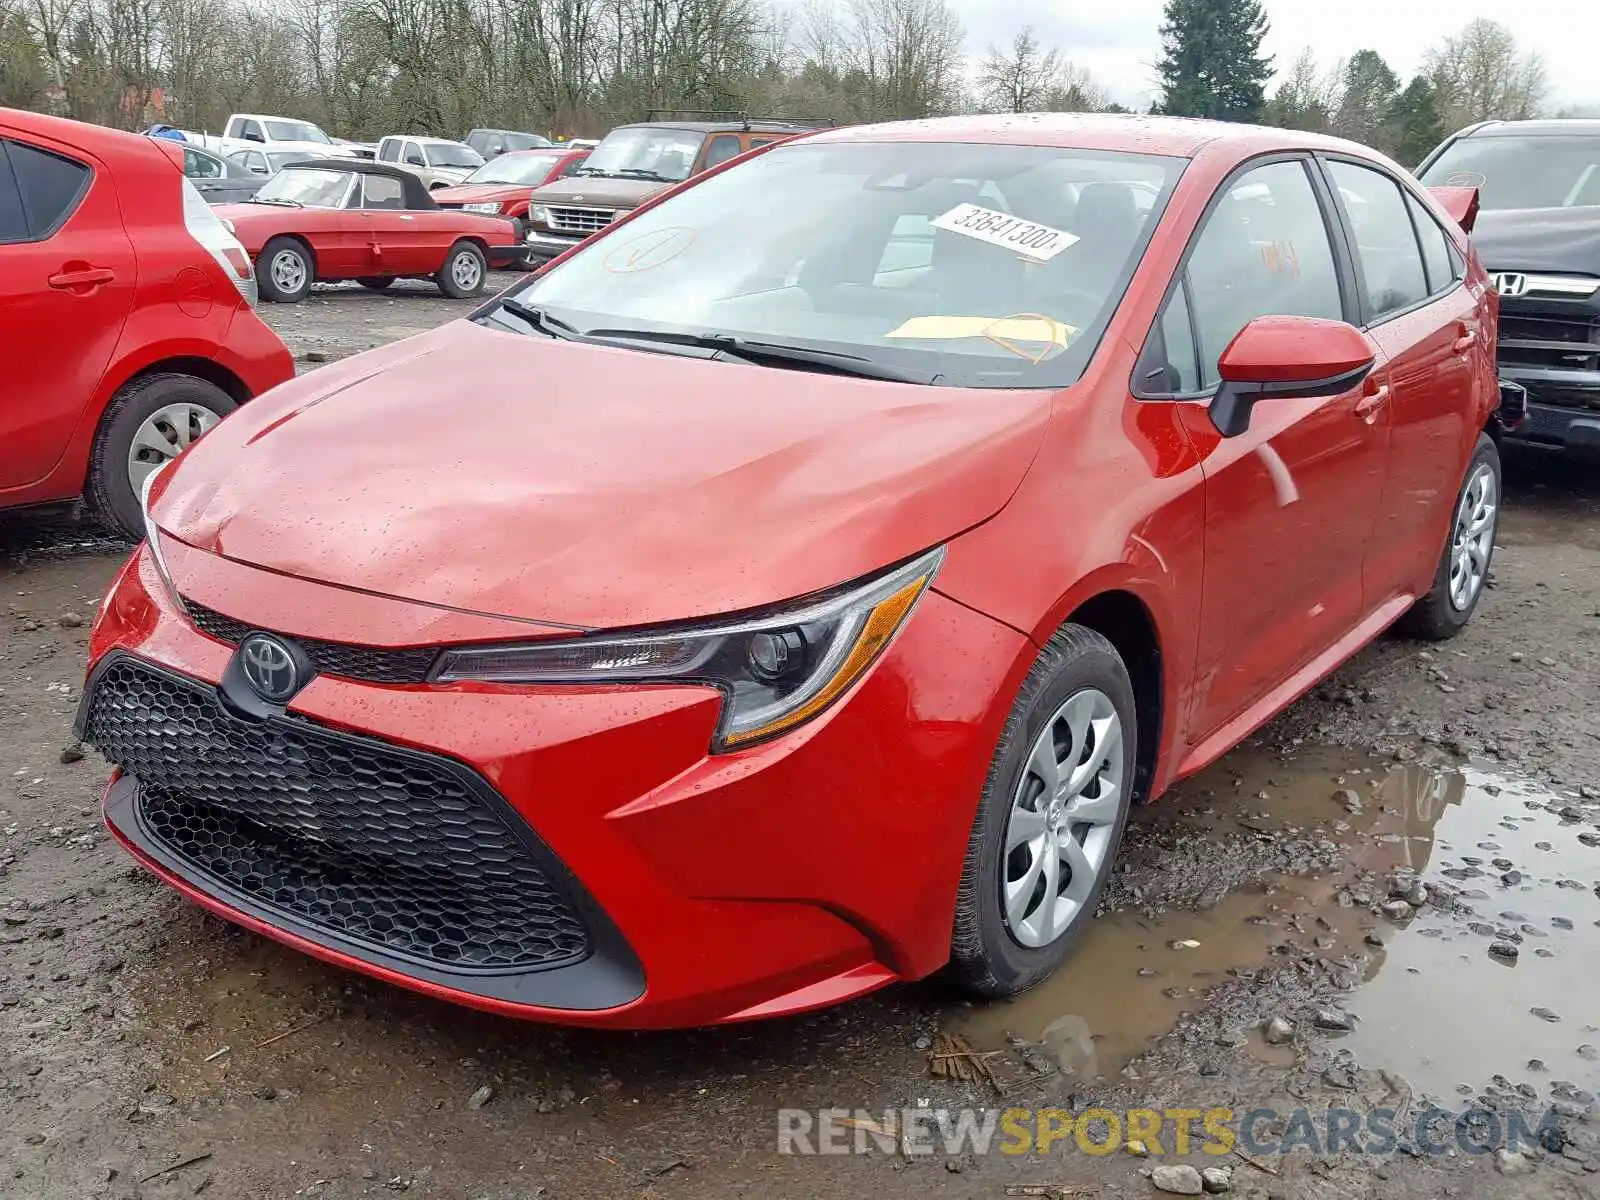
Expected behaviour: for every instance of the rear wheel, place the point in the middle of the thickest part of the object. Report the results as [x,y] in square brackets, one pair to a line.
[376,283]
[148,423]
[285,270]
[1463,570]
[1050,818]
[464,272]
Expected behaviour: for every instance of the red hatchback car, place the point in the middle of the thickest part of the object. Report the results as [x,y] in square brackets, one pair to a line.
[503,184]
[126,327]
[811,569]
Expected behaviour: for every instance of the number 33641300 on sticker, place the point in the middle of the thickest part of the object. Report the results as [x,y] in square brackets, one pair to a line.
[1028,238]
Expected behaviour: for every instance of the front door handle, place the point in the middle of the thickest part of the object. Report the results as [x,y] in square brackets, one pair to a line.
[86,277]
[1367,407]
[1466,341]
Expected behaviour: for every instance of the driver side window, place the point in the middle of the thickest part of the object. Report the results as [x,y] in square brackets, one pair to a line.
[1264,251]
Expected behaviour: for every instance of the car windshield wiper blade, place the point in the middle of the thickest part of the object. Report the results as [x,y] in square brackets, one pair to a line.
[280,200]
[643,173]
[538,318]
[758,352]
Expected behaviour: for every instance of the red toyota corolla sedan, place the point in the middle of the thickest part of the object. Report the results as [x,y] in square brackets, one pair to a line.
[789,590]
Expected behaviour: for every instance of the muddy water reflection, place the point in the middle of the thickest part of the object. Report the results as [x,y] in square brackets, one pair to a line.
[1431,1002]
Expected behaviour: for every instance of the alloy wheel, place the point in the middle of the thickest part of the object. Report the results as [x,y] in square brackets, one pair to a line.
[164,435]
[1473,538]
[465,271]
[1063,819]
[288,271]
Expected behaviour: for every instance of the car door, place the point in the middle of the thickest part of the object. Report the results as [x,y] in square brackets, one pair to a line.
[67,274]
[1418,309]
[401,241]
[1291,502]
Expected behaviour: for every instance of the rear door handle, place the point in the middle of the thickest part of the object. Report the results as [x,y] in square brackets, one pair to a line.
[1369,404]
[87,277]
[1466,341]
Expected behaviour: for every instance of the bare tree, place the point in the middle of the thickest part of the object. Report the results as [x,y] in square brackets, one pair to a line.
[1481,73]
[1308,96]
[1018,79]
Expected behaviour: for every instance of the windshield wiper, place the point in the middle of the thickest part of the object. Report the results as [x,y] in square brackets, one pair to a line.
[537,317]
[643,173]
[283,201]
[755,353]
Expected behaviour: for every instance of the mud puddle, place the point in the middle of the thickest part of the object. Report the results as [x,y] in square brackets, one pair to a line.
[1504,864]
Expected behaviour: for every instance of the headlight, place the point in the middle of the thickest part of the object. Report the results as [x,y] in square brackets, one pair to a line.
[483,206]
[152,535]
[775,671]
[539,213]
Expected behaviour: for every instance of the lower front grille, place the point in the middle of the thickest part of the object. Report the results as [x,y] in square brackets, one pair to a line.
[405,852]
[373,664]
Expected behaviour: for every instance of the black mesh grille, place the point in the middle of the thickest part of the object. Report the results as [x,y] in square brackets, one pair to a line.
[372,664]
[381,845]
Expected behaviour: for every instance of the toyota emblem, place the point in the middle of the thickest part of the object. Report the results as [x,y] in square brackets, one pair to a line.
[269,668]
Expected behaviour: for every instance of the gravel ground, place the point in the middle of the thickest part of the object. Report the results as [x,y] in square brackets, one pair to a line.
[1346,873]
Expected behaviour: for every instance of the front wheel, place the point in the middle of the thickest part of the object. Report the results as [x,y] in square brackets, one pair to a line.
[1463,569]
[148,423]
[285,271]
[1050,818]
[464,272]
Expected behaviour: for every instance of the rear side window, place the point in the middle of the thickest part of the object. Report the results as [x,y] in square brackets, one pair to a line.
[389,151]
[1386,242]
[201,166]
[1264,251]
[722,148]
[1436,256]
[13,226]
[49,187]
[379,191]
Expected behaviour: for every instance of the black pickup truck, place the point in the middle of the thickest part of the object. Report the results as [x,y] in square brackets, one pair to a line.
[1538,233]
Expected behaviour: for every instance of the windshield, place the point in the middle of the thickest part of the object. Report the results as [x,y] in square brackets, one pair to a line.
[984,265]
[525,141]
[526,167]
[311,188]
[1522,172]
[287,158]
[452,154]
[295,131]
[666,154]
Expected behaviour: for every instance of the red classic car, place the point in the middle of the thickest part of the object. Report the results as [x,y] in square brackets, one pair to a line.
[332,219]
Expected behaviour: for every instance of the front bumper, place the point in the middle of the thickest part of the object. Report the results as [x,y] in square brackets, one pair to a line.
[714,888]
[542,247]
[1563,406]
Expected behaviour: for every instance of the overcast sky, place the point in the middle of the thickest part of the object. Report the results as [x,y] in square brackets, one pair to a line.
[1118,40]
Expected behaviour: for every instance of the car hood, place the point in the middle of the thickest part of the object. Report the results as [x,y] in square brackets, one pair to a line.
[590,486]
[476,193]
[1564,240]
[600,191]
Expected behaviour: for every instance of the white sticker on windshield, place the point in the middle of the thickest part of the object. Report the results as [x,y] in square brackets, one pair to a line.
[1027,238]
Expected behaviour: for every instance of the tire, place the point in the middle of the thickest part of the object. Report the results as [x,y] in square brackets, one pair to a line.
[990,953]
[176,408]
[1446,609]
[376,283]
[277,276]
[464,273]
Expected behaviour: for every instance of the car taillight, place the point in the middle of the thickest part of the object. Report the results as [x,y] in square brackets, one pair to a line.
[214,234]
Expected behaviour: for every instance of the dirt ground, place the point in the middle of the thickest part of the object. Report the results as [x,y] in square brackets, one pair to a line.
[147,1050]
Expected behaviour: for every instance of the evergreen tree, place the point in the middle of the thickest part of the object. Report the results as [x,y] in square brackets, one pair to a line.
[1370,91]
[1415,125]
[1211,61]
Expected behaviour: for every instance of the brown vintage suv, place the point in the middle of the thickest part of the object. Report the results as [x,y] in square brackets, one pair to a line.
[631,164]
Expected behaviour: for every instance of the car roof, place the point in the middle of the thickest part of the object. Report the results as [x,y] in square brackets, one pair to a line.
[1566,126]
[425,141]
[754,125]
[413,191]
[1182,137]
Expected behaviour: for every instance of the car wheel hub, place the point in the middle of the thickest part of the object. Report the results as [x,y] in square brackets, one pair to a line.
[1063,819]
[465,271]
[288,271]
[164,435]
[1473,541]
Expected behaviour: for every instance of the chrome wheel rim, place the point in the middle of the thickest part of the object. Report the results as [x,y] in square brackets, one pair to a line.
[1063,818]
[465,271]
[1473,540]
[288,271]
[165,434]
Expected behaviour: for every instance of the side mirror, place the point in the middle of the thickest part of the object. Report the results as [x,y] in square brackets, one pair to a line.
[254,137]
[259,171]
[1282,357]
